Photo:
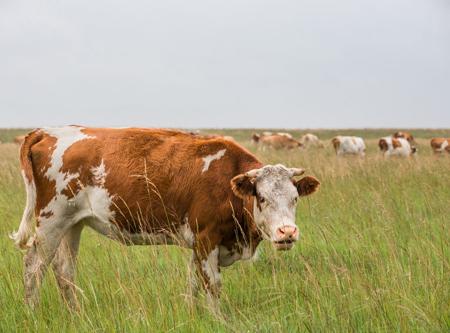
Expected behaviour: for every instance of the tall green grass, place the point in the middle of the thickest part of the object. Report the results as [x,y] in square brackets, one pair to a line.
[374,255]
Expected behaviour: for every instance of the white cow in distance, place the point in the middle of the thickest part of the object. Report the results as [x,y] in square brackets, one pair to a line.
[391,146]
[349,145]
[310,140]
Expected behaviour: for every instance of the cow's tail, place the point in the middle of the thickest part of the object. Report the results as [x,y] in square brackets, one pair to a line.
[23,235]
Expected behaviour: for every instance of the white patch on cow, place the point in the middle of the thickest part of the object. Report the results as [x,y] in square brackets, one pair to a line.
[443,146]
[65,137]
[227,257]
[238,252]
[208,159]
[186,235]
[99,173]
[91,202]
[210,267]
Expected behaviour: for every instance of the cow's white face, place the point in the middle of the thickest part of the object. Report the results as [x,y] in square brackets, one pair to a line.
[275,194]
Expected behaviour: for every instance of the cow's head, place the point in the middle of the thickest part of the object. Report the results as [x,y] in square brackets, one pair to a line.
[275,193]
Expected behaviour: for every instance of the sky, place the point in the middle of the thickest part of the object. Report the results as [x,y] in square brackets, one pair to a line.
[219,64]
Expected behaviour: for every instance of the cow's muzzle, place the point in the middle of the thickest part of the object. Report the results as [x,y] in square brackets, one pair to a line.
[286,237]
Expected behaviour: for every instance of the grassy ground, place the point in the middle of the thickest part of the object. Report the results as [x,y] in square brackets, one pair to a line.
[374,256]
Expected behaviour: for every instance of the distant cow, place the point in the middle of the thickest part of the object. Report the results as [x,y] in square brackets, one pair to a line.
[149,187]
[277,141]
[404,135]
[19,139]
[391,146]
[256,137]
[310,140]
[440,145]
[211,136]
[349,145]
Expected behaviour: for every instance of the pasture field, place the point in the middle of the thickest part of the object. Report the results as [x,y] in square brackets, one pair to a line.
[374,255]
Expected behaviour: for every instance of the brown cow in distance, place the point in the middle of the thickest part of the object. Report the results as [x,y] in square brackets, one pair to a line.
[19,139]
[276,141]
[404,135]
[440,145]
[149,187]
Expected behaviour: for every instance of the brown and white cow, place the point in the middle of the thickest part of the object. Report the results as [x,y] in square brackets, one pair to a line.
[276,141]
[349,145]
[391,146]
[404,135]
[310,140]
[151,186]
[440,145]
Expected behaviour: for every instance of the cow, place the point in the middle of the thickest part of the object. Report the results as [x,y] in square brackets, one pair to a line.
[211,136]
[349,145]
[276,141]
[256,137]
[148,187]
[391,146]
[310,140]
[440,145]
[19,139]
[404,135]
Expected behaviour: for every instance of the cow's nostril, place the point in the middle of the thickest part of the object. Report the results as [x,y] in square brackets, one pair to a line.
[287,232]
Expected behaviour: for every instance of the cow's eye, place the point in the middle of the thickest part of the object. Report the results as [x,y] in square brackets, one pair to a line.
[262,200]
[295,200]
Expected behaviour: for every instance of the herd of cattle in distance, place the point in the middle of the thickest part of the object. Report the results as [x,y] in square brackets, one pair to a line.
[399,144]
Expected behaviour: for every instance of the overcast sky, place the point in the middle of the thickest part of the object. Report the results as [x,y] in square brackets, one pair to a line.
[230,63]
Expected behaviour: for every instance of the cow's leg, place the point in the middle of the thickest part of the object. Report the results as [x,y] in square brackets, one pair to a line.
[206,258]
[39,256]
[64,265]
[193,282]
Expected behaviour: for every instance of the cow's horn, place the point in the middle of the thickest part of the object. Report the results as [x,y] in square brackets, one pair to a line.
[252,173]
[297,171]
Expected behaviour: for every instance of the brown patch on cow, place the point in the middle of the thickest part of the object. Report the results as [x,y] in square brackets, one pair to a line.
[396,143]
[383,145]
[243,186]
[36,154]
[404,135]
[307,185]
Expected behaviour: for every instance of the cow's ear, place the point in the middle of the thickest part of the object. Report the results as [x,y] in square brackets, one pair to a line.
[243,186]
[306,186]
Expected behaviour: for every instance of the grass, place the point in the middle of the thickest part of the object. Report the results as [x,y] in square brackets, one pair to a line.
[374,255]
